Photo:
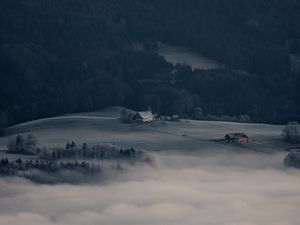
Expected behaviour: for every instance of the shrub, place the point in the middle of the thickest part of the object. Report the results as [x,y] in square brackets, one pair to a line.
[291,132]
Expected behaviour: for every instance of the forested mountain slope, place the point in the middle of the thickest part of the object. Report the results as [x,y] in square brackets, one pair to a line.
[59,56]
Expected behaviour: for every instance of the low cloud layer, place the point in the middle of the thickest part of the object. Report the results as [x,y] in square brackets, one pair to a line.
[231,189]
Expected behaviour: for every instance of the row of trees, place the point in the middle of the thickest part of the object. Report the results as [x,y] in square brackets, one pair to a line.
[18,167]
[20,145]
[94,152]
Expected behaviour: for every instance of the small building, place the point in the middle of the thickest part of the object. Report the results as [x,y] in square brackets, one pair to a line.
[144,117]
[239,138]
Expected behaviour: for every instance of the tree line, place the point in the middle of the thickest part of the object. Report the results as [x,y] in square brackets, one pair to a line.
[19,166]
[99,152]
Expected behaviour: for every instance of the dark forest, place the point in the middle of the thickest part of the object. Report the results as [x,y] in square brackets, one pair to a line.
[63,56]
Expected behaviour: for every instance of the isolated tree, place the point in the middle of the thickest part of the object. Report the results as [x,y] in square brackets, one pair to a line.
[68,146]
[20,142]
[54,155]
[31,144]
[73,145]
[84,147]
[291,132]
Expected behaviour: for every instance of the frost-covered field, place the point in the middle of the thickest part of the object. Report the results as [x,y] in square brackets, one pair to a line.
[185,135]
[194,180]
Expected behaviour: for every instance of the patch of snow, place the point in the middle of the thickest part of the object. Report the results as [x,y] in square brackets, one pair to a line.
[182,55]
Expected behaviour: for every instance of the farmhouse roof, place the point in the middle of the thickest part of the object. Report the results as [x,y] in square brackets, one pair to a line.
[145,114]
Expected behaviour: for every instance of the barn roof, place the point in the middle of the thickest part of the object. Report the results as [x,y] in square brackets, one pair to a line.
[145,114]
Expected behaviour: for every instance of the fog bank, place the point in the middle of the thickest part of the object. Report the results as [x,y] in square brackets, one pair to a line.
[231,189]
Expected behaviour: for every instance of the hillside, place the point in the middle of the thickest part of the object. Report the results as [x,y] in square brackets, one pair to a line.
[183,136]
[191,180]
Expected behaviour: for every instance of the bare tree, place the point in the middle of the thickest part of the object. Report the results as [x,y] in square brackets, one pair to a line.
[291,132]
[31,144]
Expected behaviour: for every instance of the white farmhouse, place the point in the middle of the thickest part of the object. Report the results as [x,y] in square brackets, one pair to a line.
[144,117]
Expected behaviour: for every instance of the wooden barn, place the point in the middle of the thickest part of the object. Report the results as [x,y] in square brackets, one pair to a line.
[239,138]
